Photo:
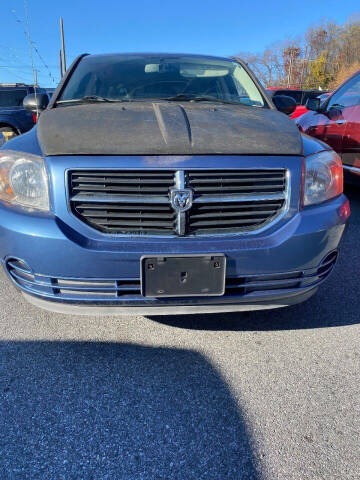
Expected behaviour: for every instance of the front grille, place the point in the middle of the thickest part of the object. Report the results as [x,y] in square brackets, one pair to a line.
[232,215]
[97,289]
[126,217]
[133,182]
[124,202]
[138,202]
[127,290]
[236,181]
[279,281]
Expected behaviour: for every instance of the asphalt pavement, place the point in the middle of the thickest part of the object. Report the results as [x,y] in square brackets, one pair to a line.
[263,396]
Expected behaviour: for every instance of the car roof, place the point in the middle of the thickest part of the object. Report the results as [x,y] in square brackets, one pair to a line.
[291,89]
[12,86]
[157,54]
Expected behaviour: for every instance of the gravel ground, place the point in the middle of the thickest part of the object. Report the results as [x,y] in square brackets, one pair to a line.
[262,396]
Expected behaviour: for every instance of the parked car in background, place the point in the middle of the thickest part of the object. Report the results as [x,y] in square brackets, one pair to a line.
[337,122]
[167,184]
[300,97]
[14,119]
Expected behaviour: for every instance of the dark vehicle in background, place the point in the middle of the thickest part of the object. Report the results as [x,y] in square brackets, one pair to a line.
[300,97]
[14,118]
[167,183]
[337,123]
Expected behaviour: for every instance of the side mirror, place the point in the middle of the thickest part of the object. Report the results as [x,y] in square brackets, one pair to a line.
[36,104]
[313,104]
[284,104]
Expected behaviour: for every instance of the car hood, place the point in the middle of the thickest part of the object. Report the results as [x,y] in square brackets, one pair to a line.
[149,128]
[10,109]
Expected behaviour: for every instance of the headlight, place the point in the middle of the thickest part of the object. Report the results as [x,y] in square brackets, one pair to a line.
[23,180]
[323,177]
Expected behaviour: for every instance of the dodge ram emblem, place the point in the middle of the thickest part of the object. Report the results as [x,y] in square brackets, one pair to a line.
[181,200]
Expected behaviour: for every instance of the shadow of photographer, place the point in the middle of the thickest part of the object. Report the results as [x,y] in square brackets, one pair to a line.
[117,411]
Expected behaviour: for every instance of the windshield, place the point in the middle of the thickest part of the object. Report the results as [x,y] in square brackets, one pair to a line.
[136,78]
[12,98]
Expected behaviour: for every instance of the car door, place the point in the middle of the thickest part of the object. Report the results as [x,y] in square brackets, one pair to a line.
[351,114]
[340,128]
[330,124]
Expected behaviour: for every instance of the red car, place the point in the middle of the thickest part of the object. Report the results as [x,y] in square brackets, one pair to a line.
[337,122]
[300,97]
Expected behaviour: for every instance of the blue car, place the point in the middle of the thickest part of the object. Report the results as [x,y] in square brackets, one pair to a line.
[14,119]
[167,183]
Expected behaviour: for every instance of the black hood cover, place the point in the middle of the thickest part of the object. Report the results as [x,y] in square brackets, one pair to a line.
[148,128]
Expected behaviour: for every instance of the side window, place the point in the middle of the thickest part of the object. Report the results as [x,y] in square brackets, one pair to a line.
[296,95]
[307,95]
[12,98]
[246,89]
[347,96]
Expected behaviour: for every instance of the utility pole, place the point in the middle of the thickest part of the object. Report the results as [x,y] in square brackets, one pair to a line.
[61,65]
[303,67]
[63,54]
[290,69]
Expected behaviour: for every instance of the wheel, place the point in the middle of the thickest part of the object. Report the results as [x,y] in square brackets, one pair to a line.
[8,133]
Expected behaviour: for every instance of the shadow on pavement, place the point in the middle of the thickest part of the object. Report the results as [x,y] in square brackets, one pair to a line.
[336,303]
[77,410]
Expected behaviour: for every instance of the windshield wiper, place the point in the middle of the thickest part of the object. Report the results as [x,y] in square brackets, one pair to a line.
[88,99]
[183,97]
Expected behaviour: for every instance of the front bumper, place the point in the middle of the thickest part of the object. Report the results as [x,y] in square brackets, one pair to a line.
[245,304]
[56,266]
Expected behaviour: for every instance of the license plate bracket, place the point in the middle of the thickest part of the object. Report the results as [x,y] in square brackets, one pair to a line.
[183,275]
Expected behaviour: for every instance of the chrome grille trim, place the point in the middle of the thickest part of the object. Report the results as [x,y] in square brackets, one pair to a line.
[180,216]
[118,199]
[155,199]
[239,198]
[180,179]
[117,290]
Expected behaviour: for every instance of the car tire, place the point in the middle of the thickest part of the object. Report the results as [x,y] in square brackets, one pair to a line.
[8,133]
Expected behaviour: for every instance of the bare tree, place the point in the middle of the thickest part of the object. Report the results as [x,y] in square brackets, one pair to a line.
[313,60]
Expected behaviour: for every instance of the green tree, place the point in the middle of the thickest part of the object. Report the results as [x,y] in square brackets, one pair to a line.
[319,74]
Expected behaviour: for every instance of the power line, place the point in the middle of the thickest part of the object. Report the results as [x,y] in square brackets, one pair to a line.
[31,54]
[43,61]
[32,44]
[15,74]
[24,74]
[20,66]
[13,51]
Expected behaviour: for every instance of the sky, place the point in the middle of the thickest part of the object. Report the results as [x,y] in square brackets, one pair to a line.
[215,27]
